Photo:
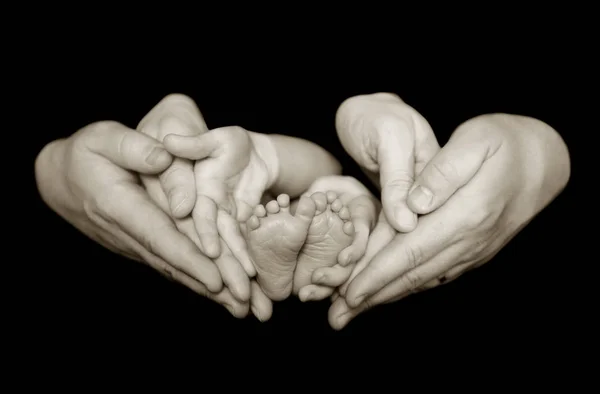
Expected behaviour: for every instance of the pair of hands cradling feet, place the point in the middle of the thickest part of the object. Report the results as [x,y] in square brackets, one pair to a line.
[337,237]
[474,194]
[216,179]
[308,246]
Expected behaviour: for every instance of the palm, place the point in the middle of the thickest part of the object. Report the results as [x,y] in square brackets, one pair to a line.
[233,176]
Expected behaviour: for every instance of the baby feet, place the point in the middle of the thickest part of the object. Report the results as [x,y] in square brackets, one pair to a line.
[275,237]
[329,233]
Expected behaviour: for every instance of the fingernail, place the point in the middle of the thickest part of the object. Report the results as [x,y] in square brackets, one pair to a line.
[178,200]
[319,277]
[422,197]
[347,260]
[256,313]
[229,308]
[358,300]
[156,155]
[310,296]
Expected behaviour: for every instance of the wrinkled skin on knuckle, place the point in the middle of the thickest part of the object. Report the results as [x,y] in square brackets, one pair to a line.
[445,172]
[413,256]
[412,282]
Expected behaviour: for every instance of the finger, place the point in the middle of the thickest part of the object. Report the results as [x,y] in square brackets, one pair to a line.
[404,253]
[133,210]
[456,271]
[126,148]
[396,159]
[248,193]
[194,148]
[176,114]
[234,276]
[175,106]
[153,188]
[260,304]
[224,297]
[229,230]
[179,185]
[314,293]
[181,118]
[335,296]
[382,235]
[340,314]
[448,171]
[416,279]
[363,213]
[205,219]
[331,276]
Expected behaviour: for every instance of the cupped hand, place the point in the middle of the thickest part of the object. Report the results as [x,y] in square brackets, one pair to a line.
[231,175]
[198,187]
[392,142]
[364,209]
[90,180]
[494,175]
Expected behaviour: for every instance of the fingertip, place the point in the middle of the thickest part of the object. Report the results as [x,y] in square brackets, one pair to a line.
[172,142]
[241,292]
[159,159]
[402,218]
[353,295]
[211,246]
[345,257]
[215,283]
[181,204]
[421,200]
[339,314]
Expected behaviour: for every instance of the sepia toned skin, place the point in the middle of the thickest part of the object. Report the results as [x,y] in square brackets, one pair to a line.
[232,169]
[474,195]
[494,175]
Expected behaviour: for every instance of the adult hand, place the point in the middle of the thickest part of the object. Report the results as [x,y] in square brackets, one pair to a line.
[177,186]
[387,137]
[89,180]
[364,209]
[224,181]
[494,175]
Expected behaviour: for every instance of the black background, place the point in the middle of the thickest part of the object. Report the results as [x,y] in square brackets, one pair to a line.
[86,293]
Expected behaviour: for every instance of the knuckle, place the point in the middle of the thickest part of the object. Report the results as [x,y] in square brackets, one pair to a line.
[411,282]
[102,127]
[236,131]
[174,173]
[89,135]
[391,123]
[445,172]
[482,218]
[177,99]
[413,256]
[399,179]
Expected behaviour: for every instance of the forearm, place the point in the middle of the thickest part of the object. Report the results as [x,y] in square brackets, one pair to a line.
[296,163]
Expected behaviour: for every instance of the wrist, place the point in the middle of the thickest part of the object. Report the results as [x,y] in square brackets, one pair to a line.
[265,148]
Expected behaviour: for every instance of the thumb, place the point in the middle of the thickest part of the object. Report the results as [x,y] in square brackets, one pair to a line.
[396,171]
[126,148]
[452,168]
